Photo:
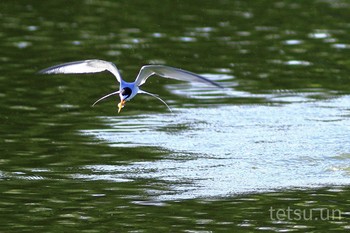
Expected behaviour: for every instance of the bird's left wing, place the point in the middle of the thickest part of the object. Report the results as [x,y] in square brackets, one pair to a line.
[170,72]
[80,67]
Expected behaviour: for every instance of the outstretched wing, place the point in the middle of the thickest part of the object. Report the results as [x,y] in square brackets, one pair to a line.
[80,67]
[170,72]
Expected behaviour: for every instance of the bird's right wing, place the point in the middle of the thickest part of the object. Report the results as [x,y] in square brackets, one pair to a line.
[80,67]
[170,72]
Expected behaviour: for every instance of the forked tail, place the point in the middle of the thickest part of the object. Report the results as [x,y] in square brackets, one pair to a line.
[155,96]
[106,96]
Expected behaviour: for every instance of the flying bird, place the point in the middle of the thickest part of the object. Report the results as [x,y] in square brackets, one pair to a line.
[127,90]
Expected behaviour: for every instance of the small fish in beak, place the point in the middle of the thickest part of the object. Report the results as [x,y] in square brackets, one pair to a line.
[121,105]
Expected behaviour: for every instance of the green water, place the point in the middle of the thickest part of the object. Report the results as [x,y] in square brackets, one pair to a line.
[270,153]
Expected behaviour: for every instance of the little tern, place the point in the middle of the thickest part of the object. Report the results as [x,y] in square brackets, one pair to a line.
[127,90]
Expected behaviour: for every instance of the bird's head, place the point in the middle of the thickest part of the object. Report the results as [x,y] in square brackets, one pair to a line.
[124,95]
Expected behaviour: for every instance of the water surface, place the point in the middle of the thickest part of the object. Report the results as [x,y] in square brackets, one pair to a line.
[276,137]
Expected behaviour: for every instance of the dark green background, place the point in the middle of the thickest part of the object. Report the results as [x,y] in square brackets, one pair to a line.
[262,50]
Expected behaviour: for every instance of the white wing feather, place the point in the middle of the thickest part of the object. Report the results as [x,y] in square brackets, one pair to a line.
[80,67]
[170,72]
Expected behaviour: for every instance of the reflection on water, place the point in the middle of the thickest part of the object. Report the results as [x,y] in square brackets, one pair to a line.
[226,150]
[220,161]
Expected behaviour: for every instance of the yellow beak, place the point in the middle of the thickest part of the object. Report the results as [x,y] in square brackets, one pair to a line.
[121,105]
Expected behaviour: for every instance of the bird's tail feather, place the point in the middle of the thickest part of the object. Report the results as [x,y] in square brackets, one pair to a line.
[106,96]
[155,96]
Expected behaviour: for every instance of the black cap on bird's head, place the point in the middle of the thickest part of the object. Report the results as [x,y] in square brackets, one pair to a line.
[125,93]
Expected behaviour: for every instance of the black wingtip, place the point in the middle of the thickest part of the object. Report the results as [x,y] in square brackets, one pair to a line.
[218,85]
[48,70]
[201,77]
[41,71]
[212,82]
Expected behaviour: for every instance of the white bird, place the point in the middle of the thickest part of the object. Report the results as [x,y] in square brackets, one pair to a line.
[127,90]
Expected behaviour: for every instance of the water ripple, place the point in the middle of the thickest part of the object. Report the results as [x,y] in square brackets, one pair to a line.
[235,149]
